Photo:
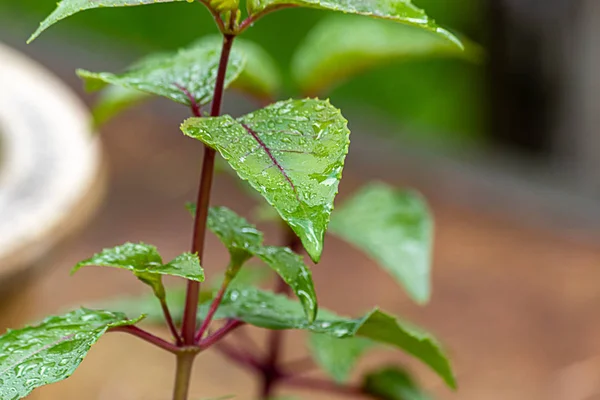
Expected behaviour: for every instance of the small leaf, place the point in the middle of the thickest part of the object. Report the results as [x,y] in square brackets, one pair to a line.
[340,47]
[392,383]
[51,351]
[145,263]
[394,227]
[184,76]
[260,77]
[402,11]
[271,311]
[292,153]
[336,356]
[66,8]
[113,100]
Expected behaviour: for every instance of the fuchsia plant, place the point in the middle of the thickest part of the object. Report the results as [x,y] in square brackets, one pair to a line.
[291,153]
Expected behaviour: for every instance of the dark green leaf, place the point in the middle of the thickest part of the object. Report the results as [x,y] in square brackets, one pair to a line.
[51,351]
[146,263]
[336,356]
[66,8]
[394,227]
[184,76]
[115,99]
[341,47]
[402,11]
[271,311]
[292,153]
[392,383]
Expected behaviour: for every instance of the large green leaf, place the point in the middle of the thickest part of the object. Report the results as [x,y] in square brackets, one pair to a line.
[51,351]
[402,11]
[272,311]
[392,383]
[340,47]
[337,356]
[66,8]
[186,75]
[394,227]
[292,153]
[146,263]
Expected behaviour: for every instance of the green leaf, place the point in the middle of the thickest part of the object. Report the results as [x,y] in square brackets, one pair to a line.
[292,153]
[402,11]
[392,383]
[261,76]
[146,263]
[66,8]
[113,100]
[336,356]
[271,311]
[51,351]
[394,227]
[340,47]
[186,75]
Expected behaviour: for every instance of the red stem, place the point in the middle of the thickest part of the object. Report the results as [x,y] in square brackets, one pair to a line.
[170,323]
[148,337]
[215,15]
[242,358]
[211,311]
[220,334]
[253,18]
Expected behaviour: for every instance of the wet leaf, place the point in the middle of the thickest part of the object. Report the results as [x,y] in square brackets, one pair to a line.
[292,153]
[186,75]
[337,356]
[51,351]
[340,47]
[394,227]
[392,383]
[272,311]
[66,8]
[402,11]
[146,264]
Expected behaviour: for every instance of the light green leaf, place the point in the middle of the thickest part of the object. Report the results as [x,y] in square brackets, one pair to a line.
[402,11]
[340,47]
[66,8]
[392,383]
[186,75]
[394,227]
[271,311]
[113,100]
[146,263]
[336,356]
[261,76]
[292,153]
[51,351]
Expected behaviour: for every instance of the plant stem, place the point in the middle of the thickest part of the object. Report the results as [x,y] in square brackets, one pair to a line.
[240,357]
[170,323]
[252,19]
[183,374]
[148,337]
[220,334]
[211,311]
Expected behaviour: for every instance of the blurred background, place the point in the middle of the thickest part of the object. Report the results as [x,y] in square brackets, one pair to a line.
[503,147]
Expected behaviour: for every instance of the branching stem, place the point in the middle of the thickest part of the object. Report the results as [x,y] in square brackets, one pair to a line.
[148,337]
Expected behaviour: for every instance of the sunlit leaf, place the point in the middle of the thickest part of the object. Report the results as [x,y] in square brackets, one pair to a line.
[395,228]
[146,263]
[392,383]
[337,356]
[66,8]
[402,11]
[51,351]
[340,47]
[187,76]
[292,153]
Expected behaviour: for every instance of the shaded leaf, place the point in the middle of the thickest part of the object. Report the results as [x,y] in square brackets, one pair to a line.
[402,11]
[261,76]
[51,351]
[340,47]
[392,383]
[113,100]
[292,153]
[186,75]
[394,227]
[272,311]
[146,263]
[66,8]
[337,356]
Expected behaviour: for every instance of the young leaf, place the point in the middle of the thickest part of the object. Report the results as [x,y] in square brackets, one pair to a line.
[271,311]
[394,227]
[146,263]
[51,351]
[336,356]
[392,383]
[340,47]
[292,153]
[402,11]
[187,76]
[66,8]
